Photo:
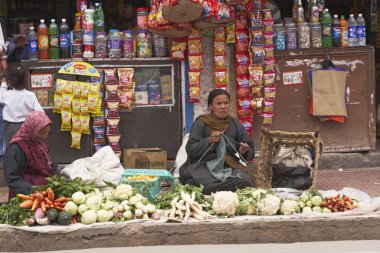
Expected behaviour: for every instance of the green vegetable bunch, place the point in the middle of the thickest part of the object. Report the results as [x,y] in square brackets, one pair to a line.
[63,187]
[12,214]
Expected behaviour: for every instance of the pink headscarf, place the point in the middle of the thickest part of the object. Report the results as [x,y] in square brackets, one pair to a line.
[31,127]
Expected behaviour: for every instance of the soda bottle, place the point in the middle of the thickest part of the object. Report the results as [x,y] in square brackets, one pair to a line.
[361,31]
[344,32]
[294,10]
[53,40]
[321,6]
[352,35]
[64,39]
[326,22]
[32,44]
[99,18]
[43,40]
[300,12]
[314,12]
[336,31]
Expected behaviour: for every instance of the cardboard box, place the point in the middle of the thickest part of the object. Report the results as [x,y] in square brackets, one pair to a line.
[145,158]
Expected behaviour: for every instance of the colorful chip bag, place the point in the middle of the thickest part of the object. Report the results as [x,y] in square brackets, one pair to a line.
[221,78]
[66,120]
[85,124]
[194,78]
[194,94]
[220,34]
[178,49]
[114,141]
[219,48]
[126,76]
[230,33]
[242,41]
[84,106]
[58,102]
[76,89]
[255,76]
[75,139]
[242,63]
[269,79]
[75,123]
[194,46]
[99,134]
[220,62]
[113,126]
[60,86]
[195,62]
[76,106]
[110,76]
[66,101]
[85,87]
[242,81]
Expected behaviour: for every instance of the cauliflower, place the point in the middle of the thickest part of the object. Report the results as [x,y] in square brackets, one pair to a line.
[123,192]
[269,205]
[108,205]
[316,200]
[258,194]
[289,206]
[109,193]
[104,216]
[225,203]
[247,207]
[94,202]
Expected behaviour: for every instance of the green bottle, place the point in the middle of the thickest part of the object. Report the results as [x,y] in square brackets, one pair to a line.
[53,40]
[326,22]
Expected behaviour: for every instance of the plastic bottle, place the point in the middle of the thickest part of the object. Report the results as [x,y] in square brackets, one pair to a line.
[294,10]
[99,18]
[64,39]
[361,31]
[344,32]
[336,31]
[326,22]
[142,18]
[300,13]
[314,12]
[53,40]
[43,40]
[32,44]
[352,35]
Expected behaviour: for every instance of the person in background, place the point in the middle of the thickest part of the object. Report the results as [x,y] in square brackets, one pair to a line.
[128,15]
[18,102]
[214,142]
[27,161]
[3,67]
[276,14]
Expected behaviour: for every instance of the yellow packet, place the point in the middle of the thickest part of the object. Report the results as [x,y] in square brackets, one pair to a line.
[66,101]
[59,86]
[85,124]
[68,87]
[58,101]
[83,106]
[75,139]
[66,121]
[98,111]
[76,89]
[92,103]
[76,124]
[85,87]
[76,106]
[94,89]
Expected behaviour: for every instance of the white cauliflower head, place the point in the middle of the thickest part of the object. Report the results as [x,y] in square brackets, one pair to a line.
[269,205]
[123,192]
[289,206]
[225,203]
[258,193]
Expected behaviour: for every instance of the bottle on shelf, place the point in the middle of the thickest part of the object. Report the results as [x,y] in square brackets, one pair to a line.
[64,39]
[352,35]
[32,44]
[336,31]
[99,18]
[43,40]
[344,32]
[300,17]
[53,40]
[361,31]
[294,10]
[314,12]
[326,22]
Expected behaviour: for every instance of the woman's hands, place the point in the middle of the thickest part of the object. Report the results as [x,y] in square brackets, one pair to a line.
[215,137]
[244,147]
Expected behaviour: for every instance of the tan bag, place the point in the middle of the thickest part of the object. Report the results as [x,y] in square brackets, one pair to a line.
[329,92]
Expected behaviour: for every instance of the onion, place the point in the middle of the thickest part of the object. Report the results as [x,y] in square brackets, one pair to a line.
[31,221]
[155,216]
[39,214]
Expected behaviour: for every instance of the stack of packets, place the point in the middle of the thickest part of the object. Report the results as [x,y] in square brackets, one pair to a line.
[194,44]
[75,101]
[221,73]
[178,49]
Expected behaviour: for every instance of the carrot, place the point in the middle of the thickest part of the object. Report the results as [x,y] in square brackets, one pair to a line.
[39,196]
[43,193]
[27,204]
[50,195]
[47,200]
[59,200]
[43,206]
[35,204]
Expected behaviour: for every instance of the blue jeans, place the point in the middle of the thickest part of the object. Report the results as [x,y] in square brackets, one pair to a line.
[2,139]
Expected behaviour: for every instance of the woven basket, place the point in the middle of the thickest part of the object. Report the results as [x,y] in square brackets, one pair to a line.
[270,140]
[174,33]
[205,25]
[184,11]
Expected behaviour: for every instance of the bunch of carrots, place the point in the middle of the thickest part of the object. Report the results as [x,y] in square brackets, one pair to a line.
[43,199]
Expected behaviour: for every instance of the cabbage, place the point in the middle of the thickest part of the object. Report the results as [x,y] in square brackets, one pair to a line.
[71,208]
[108,205]
[94,202]
[82,208]
[316,200]
[104,216]
[317,209]
[79,198]
[123,192]
[304,196]
[307,209]
[88,217]
[128,215]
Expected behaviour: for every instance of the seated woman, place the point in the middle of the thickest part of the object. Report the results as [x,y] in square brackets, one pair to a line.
[216,144]
[27,161]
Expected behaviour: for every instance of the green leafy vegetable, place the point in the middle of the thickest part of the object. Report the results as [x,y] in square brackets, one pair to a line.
[12,214]
[65,188]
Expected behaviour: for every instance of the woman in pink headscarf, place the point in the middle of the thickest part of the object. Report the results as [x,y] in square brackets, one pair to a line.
[27,161]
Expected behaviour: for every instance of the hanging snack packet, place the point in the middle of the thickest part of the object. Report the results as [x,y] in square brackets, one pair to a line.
[126,76]
[76,89]
[267,16]
[194,94]
[269,66]
[255,4]
[99,134]
[178,49]
[269,52]
[267,119]
[255,76]
[242,81]
[76,106]
[68,88]
[94,89]
[112,91]
[268,106]
[66,121]
[220,62]
[85,87]
[268,38]
[194,46]
[126,99]
[220,34]
[113,108]
[223,11]
[95,79]
[242,41]
[75,139]
[242,63]
[247,124]
[110,76]
[255,19]
[257,37]
[257,91]
[60,86]
[99,111]
[257,106]
[84,106]
[113,126]
[269,93]
[269,79]
[245,113]
[92,103]
[244,92]
[75,123]
[114,141]
[258,54]
[66,101]
[58,102]
[241,21]
[221,78]
[99,121]
[219,48]
[195,62]
[244,103]
[85,124]
[230,33]
[194,78]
